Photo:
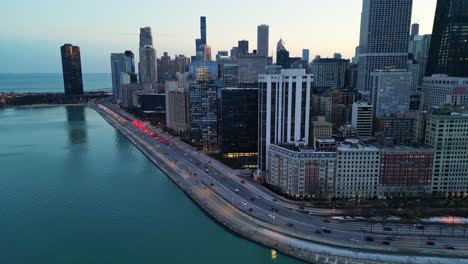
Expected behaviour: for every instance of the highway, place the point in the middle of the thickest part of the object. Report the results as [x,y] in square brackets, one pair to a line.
[262,205]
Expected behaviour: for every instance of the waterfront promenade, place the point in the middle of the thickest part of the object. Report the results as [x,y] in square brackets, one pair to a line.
[217,200]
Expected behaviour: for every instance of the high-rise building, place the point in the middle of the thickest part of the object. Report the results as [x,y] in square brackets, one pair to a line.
[238,131]
[128,91]
[449,47]
[177,102]
[263,40]
[447,133]
[234,52]
[148,66]
[165,67]
[206,52]
[203,96]
[390,91]
[71,66]
[284,109]
[119,70]
[181,63]
[362,117]
[130,57]
[243,47]
[328,73]
[203,30]
[229,70]
[321,129]
[322,105]
[385,26]
[282,55]
[306,55]
[203,69]
[442,89]
[222,54]
[250,67]
[146,37]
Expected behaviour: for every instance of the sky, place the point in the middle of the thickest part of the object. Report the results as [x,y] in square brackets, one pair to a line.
[32,31]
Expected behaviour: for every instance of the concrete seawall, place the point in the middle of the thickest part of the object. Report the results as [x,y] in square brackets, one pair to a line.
[260,232]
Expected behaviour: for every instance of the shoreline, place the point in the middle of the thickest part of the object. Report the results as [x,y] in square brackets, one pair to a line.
[253,230]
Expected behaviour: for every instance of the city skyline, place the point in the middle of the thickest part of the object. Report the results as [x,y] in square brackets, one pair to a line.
[97,36]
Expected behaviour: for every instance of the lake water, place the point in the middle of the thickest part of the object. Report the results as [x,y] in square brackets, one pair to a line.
[74,190]
[49,82]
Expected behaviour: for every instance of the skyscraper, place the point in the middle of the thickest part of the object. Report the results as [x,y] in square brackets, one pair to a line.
[262,40]
[203,30]
[148,66]
[146,37]
[448,52]
[385,26]
[282,55]
[306,55]
[130,57]
[71,66]
[284,109]
[243,46]
[119,70]
[391,91]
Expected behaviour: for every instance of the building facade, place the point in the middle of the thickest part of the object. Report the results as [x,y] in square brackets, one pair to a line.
[357,171]
[448,52]
[362,118]
[177,103]
[328,73]
[284,110]
[250,67]
[390,91]
[71,67]
[119,65]
[263,40]
[405,171]
[441,89]
[203,96]
[447,133]
[302,172]
[400,129]
[384,38]
[148,66]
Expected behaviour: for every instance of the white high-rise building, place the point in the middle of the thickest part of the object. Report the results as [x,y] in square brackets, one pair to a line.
[447,133]
[284,109]
[148,65]
[391,91]
[442,89]
[385,26]
[362,117]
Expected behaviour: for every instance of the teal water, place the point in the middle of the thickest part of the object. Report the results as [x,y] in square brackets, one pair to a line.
[49,82]
[74,190]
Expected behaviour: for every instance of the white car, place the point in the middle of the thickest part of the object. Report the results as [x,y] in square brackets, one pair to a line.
[244,203]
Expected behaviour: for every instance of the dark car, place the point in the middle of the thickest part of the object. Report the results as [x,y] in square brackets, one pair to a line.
[385,243]
[290,225]
[419,226]
[430,243]
[211,184]
[387,228]
[251,210]
[326,230]
[242,181]
[449,247]
[318,232]
[369,239]
[252,199]
[325,220]
[301,207]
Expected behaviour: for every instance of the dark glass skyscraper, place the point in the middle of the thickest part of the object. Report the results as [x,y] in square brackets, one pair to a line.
[448,53]
[243,47]
[203,30]
[71,65]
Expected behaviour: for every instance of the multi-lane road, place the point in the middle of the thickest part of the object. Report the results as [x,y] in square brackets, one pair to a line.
[264,206]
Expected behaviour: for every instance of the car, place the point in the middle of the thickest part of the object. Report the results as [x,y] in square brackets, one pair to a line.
[309,212]
[385,243]
[243,182]
[236,190]
[252,199]
[419,226]
[230,197]
[274,209]
[449,247]
[325,220]
[251,210]
[386,228]
[272,216]
[326,230]
[211,184]
[195,174]
[318,232]
[274,200]
[369,239]
[301,207]
[430,243]
[209,161]
[290,224]
[258,197]
[244,203]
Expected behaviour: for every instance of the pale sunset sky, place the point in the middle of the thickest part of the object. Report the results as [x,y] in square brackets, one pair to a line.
[32,31]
